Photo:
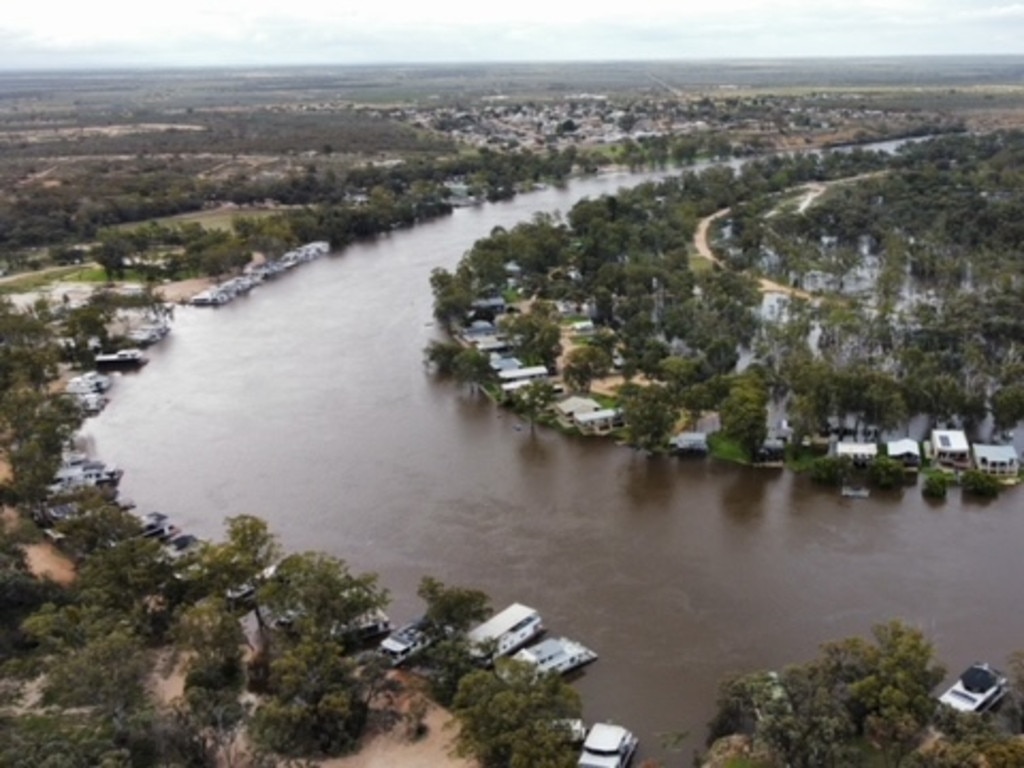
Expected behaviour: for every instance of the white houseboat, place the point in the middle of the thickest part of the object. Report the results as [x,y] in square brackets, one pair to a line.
[559,655]
[506,632]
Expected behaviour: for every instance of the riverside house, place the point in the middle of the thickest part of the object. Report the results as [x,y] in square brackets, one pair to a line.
[861,454]
[996,460]
[950,449]
[905,451]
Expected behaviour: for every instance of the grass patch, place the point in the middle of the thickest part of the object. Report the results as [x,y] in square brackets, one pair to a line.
[744,762]
[219,218]
[33,281]
[605,401]
[799,458]
[96,274]
[727,449]
[698,264]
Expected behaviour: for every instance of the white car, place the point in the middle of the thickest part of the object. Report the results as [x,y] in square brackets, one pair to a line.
[978,689]
[608,746]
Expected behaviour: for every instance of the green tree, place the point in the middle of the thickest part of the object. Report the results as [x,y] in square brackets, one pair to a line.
[443,356]
[508,718]
[744,413]
[583,365]
[452,609]
[886,472]
[935,486]
[472,367]
[108,675]
[830,470]
[533,400]
[981,484]
[535,336]
[320,599]
[318,702]
[897,691]
[650,415]
[453,296]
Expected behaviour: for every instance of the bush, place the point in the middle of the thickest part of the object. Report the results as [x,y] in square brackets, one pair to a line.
[830,470]
[886,472]
[935,485]
[977,483]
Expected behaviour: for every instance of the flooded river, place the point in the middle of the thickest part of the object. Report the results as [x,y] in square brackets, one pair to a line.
[307,404]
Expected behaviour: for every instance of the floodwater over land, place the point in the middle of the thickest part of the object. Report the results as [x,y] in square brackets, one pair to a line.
[307,404]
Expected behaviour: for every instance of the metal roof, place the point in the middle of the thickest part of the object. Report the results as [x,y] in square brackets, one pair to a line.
[501,623]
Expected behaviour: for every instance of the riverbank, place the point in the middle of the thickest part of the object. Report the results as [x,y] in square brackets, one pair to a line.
[44,560]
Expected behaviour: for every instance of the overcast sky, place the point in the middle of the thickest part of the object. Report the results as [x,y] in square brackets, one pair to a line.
[101,33]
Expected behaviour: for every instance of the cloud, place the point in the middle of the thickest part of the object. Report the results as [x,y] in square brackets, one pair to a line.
[109,32]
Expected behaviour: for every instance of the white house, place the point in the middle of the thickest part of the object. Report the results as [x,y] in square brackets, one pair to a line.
[906,451]
[524,374]
[997,460]
[571,407]
[598,422]
[859,453]
[950,449]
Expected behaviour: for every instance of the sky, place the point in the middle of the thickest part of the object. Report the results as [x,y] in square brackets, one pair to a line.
[60,34]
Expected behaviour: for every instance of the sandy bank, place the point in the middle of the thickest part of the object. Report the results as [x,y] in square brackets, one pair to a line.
[44,559]
[395,750]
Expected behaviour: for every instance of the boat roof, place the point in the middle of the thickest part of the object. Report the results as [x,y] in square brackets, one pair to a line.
[500,623]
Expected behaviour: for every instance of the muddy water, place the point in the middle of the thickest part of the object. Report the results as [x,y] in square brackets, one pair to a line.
[306,403]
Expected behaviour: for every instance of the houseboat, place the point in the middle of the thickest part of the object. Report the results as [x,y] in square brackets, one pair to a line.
[559,655]
[506,632]
[123,358]
[405,642]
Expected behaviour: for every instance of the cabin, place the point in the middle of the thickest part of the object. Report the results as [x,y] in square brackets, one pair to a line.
[690,444]
[996,460]
[861,454]
[950,449]
[573,405]
[493,305]
[598,422]
[905,451]
[499,363]
[530,373]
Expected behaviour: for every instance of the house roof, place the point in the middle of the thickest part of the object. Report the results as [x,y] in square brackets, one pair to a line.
[995,454]
[523,373]
[589,418]
[577,405]
[903,447]
[856,449]
[950,440]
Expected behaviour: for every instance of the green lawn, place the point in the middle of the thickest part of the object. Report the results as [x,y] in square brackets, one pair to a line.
[212,219]
[727,449]
[33,281]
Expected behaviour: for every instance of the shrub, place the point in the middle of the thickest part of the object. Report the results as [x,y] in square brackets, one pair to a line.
[886,472]
[935,485]
[829,470]
[977,483]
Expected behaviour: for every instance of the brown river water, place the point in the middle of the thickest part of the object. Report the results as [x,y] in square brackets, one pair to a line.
[307,403]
